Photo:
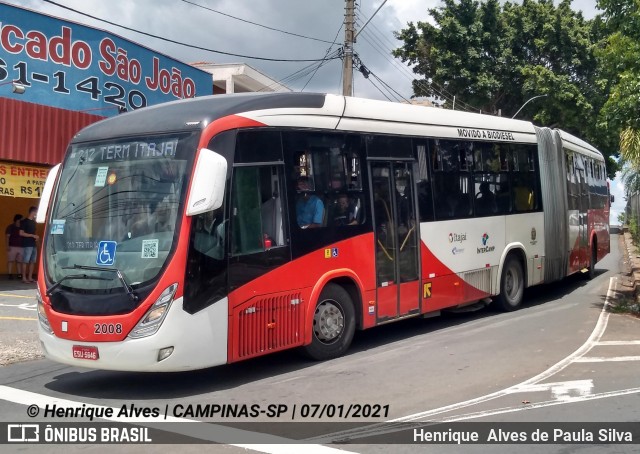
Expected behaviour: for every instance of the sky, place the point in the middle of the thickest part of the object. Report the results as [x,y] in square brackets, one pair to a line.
[182,20]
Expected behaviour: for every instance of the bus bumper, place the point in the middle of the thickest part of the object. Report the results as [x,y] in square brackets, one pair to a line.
[198,341]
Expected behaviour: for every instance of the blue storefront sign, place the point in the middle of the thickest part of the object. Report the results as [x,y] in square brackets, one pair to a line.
[75,67]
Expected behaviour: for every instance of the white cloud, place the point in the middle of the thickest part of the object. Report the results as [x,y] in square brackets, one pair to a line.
[185,22]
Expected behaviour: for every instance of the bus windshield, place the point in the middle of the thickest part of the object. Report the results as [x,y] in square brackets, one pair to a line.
[116,207]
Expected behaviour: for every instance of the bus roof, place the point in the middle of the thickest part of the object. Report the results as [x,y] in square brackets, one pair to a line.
[313,110]
[193,113]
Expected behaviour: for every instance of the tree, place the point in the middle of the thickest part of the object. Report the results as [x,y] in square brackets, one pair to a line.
[494,58]
[619,55]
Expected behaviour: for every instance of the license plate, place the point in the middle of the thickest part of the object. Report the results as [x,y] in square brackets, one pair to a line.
[82,352]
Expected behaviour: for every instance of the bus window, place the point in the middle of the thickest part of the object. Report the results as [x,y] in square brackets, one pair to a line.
[256,210]
[451,185]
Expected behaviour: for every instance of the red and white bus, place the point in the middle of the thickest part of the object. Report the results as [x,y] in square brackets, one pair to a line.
[211,230]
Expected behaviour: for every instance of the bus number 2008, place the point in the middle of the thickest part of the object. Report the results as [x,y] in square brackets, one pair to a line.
[107,328]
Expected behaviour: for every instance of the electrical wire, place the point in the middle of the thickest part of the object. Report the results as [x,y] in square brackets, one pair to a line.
[257,24]
[193,46]
[325,56]
[435,88]
[440,91]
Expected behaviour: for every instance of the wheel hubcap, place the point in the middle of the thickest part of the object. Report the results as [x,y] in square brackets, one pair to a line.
[511,284]
[328,321]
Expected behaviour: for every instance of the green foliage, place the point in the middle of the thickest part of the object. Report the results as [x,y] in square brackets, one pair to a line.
[630,178]
[621,217]
[625,305]
[630,146]
[619,61]
[495,57]
[633,229]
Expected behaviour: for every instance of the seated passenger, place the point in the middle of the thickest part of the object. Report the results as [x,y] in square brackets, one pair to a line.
[345,212]
[486,200]
[309,208]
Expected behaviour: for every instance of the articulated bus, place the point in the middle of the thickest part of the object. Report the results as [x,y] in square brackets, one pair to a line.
[212,230]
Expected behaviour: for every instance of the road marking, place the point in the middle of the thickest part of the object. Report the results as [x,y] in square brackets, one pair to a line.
[533,382]
[595,337]
[215,433]
[17,318]
[566,390]
[11,295]
[23,306]
[548,403]
[603,359]
[617,343]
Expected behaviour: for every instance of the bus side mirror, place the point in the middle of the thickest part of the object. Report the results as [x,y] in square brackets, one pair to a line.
[207,185]
[45,198]
[613,198]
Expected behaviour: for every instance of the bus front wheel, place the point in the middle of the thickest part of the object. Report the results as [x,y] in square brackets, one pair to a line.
[333,324]
[511,285]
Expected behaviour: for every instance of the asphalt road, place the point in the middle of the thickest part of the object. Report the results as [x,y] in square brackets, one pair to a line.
[560,358]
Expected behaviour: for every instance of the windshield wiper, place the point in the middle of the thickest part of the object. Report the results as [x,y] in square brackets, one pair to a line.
[74,276]
[127,287]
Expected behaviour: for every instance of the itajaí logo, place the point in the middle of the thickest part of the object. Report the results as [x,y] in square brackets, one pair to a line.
[457,237]
[484,249]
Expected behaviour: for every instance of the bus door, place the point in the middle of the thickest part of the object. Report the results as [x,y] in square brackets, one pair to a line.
[396,238]
[583,208]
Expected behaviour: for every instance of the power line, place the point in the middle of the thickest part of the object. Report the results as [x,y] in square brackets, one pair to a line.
[325,56]
[366,72]
[305,71]
[193,46]
[257,24]
[435,88]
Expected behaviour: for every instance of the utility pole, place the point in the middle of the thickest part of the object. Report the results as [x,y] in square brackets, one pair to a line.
[347,63]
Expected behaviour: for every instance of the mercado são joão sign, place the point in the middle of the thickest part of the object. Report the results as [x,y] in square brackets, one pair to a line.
[17,180]
[74,67]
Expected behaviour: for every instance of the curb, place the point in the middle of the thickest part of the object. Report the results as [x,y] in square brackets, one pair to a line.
[633,260]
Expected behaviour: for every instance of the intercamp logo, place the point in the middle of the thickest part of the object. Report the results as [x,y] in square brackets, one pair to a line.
[484,249]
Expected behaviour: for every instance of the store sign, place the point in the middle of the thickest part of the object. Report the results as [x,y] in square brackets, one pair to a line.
[74,67]
[17,180]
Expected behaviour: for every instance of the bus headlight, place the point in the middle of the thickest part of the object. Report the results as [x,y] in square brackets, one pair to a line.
[154,317]
[42,315]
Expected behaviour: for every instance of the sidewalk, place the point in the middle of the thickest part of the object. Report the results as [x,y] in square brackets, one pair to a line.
[18,322]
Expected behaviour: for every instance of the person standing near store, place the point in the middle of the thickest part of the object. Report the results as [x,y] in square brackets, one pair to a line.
[29,251]
[14,246]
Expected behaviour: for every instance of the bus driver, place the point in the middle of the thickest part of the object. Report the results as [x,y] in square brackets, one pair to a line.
[309,208]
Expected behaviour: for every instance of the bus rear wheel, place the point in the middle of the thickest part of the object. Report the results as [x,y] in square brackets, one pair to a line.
[333,324]
[591,273]
[511,285]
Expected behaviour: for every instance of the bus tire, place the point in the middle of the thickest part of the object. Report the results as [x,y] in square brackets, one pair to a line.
[511,285]
[334,324]
[591,273]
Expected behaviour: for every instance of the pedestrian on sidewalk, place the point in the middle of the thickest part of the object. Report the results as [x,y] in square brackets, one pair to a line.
[14,246]
[29,250]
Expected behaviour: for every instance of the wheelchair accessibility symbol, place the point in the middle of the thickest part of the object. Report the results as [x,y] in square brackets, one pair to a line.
[106,253]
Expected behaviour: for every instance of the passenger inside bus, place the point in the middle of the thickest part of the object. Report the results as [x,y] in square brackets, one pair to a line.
[485,200]
[454,203]
[345,211]
[309,207]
